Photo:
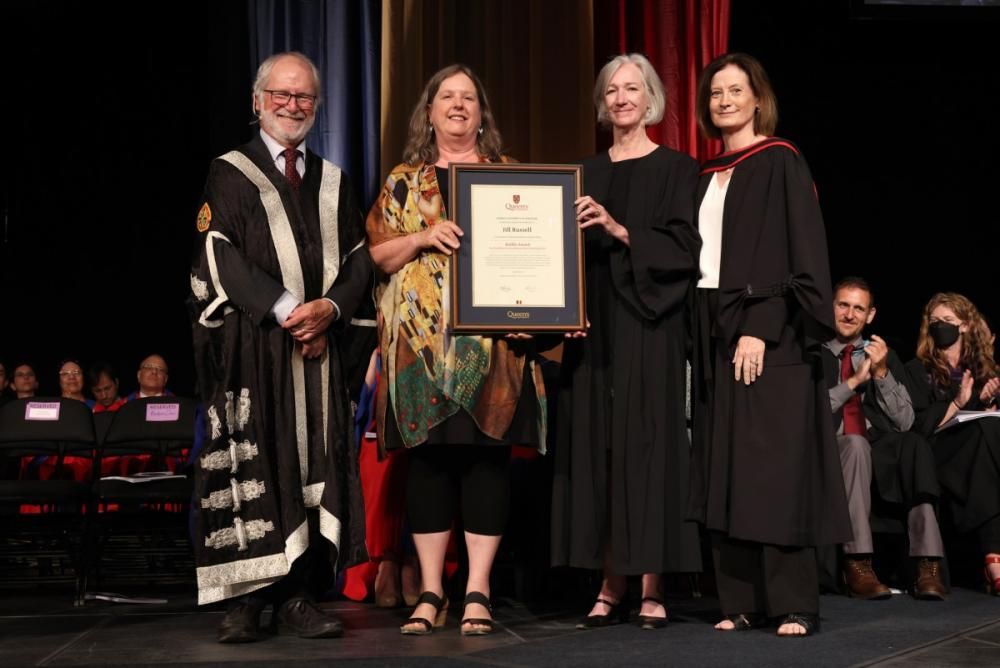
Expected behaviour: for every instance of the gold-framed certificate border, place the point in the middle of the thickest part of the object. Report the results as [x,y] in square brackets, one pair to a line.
[519,315]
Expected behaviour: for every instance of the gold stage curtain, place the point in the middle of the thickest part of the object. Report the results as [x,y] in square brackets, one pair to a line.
[536,60]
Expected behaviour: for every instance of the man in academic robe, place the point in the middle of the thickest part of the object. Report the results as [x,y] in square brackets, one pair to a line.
[873,414]
[280,268]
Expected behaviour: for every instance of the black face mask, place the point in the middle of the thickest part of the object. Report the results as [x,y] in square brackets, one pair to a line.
[943,333]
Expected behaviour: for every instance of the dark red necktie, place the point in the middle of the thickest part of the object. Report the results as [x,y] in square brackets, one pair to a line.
[854,418]
[291,173]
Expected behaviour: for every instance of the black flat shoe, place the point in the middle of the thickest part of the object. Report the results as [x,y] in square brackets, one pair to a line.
[746,621]
[806,620]
[650,622]
[478,626]
[617,614]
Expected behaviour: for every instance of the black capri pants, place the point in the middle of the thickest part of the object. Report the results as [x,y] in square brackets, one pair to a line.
[443,477]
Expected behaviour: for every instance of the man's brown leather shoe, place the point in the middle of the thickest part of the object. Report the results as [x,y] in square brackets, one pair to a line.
[929,586]
[242,623]
[861,579]
[304,618]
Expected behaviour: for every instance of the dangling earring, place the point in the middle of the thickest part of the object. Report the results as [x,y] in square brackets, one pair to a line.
[430,128]
[480,129]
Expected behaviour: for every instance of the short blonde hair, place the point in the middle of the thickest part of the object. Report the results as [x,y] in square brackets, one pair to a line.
[650,79]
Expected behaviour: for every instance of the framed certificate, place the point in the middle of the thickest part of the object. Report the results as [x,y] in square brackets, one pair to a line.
[519,266]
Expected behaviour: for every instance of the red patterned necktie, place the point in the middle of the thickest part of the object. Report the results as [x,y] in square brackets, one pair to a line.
[854,418]
[291,173]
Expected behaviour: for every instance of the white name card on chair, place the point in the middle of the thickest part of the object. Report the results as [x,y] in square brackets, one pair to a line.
[42,410]
[163,412]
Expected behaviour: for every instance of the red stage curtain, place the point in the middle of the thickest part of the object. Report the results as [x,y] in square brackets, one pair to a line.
[679,37]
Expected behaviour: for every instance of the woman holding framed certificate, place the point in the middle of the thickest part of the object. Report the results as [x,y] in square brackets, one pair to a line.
[458,401]
[622,452]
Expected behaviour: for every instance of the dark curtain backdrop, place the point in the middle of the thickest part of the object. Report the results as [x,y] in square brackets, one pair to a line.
[112,114]
[343,38]
[679,37]
[891,110]
[534,58]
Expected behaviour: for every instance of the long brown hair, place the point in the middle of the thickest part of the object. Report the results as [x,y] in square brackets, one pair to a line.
[420,144]
[977,342]
[765,121]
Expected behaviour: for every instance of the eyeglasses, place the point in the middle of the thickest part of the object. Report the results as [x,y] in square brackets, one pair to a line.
[70,374]
[283,97]
[153,369]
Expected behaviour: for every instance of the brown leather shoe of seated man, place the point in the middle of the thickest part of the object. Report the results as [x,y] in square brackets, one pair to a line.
[928,586]
[861,579]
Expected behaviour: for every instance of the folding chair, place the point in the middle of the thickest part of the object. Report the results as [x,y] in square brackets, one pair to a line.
[45,547]
[140,534]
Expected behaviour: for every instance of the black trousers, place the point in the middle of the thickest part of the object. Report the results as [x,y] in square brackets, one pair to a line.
[770,579]
[443,478]
[310,576]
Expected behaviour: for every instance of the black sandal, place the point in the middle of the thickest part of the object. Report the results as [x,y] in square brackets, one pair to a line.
[649,622]
[808,621]
[745,621]
[440,604]
[479,626]
[617,613]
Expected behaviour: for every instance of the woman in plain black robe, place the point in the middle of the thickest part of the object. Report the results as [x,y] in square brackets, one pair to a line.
[622,459]
[954,371]
[766,481]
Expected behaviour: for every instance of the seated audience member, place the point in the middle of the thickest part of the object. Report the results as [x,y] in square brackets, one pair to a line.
[8,465]
[153,375]
[22,386]
[873,413]
[70,387]
[5,395]
[71,382]
[25,383]
[387,575]
[103,383]
[104,386]
[955,371]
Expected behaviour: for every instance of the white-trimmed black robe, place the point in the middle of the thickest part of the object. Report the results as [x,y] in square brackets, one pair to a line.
[279,426]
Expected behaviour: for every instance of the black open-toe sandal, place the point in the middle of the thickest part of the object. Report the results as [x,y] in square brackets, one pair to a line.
[746,621]
[426,627]
[617,614]
[806,620]
[649,622]
[478,626]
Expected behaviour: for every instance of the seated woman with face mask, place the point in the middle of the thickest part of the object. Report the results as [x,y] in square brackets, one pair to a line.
[955,371]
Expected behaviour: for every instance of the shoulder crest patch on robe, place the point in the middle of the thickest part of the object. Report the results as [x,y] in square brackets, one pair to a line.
[204,217]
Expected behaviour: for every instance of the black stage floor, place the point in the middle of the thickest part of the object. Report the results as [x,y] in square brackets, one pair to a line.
[45,630]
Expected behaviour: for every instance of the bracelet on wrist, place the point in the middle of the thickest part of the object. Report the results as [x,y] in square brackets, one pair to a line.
[956,404]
